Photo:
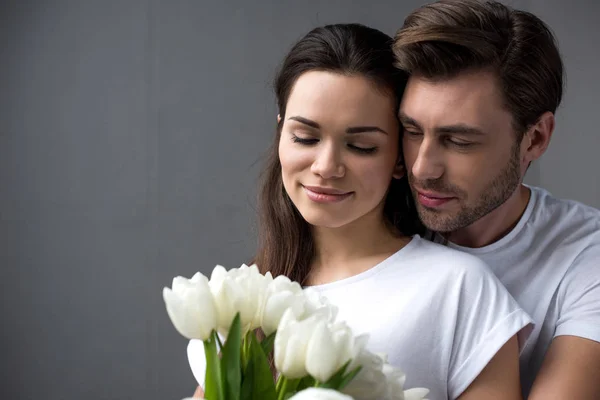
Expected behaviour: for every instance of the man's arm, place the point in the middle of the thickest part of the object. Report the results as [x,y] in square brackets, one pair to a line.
[571,370]
[571,366]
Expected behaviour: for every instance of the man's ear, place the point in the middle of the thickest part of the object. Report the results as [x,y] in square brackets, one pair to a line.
[399,170]
[537,138]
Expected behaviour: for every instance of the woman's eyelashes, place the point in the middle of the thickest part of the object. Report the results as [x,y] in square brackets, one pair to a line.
[309,141]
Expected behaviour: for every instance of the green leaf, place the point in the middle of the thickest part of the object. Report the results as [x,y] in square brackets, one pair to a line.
[258,383]
[337,378]
[306,382]
[219,344]
[230,361]
[349,377]
[267,344]
[213,383]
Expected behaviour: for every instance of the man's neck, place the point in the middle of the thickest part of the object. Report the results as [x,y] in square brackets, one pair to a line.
[495,225]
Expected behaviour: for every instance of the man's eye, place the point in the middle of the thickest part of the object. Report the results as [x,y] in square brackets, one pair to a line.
[459,143]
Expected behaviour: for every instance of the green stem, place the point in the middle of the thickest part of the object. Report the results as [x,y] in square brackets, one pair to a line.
[246,348]
[281,388]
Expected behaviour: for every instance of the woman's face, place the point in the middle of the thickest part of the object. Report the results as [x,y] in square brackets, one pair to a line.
[338,148]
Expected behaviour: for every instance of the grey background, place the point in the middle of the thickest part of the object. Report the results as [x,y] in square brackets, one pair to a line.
[131,135]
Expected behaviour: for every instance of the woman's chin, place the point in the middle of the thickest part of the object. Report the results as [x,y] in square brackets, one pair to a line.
[325,220]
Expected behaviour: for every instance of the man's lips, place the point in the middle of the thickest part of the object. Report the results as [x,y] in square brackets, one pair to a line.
[432,199]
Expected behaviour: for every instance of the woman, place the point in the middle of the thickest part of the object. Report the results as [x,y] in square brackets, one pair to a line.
[336,214]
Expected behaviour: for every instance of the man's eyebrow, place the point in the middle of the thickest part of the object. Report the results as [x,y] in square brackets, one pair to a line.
[406,120]
[461,129]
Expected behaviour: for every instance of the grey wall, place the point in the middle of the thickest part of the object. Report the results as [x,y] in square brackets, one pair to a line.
[571,166]
[131,135]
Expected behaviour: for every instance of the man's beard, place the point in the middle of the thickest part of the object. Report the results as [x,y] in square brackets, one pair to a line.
[495,194]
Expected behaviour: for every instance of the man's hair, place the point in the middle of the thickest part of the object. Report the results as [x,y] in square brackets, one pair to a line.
[448,37]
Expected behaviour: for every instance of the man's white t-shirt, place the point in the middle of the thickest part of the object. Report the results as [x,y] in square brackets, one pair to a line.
[440,315]
[550,263]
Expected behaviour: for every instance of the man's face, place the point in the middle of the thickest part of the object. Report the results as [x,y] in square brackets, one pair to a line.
[460,148]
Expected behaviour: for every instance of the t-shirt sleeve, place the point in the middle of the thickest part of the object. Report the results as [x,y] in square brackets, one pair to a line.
[487,318]
[578,297]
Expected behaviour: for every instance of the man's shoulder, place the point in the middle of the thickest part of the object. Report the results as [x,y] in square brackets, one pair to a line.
[569,230]
[564,216]
[443,260]
[547,201]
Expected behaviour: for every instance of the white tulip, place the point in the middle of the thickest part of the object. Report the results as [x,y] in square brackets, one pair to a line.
[379,380]
[329,348]
[290,344]
[316,303]
[319,394]
[240,290]
[312,346]
[371,382]
[282,293]
[191,306]
[395,379]
[416,394]
[395,383]
[255,286]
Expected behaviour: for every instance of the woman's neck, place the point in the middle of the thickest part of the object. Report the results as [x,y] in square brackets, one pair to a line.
[354,248]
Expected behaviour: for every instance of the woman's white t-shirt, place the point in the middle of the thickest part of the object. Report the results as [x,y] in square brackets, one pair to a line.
[439,314]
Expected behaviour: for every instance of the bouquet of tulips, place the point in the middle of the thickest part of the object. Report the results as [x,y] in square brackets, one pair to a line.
[315,356]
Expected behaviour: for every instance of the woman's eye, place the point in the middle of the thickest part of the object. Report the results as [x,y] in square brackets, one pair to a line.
[363,150]
[306,141]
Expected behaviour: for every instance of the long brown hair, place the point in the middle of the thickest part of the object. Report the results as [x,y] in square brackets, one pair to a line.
[286,243]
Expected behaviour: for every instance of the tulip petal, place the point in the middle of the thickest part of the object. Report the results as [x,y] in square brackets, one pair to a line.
[416,394]
[319,394]
[321,354]
[197,360]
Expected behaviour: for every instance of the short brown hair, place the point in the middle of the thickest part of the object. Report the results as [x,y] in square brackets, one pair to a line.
[445,38]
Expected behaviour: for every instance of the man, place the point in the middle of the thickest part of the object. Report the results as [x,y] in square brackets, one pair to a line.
[485,83]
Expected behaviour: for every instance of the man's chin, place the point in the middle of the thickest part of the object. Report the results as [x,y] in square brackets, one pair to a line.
[437,221]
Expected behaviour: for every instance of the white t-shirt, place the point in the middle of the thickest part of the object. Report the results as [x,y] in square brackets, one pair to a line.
[550,263]
[439,314]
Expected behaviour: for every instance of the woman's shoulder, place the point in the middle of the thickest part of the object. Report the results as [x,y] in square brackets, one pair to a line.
[446,257]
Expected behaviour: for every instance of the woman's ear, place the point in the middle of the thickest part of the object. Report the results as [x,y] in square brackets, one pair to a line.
[278,119]
[399,170]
